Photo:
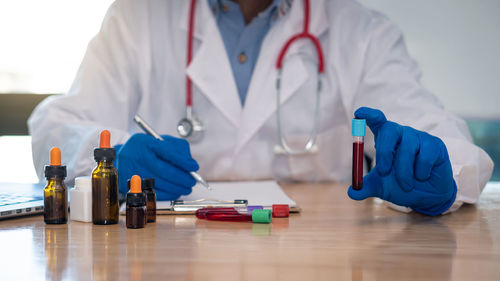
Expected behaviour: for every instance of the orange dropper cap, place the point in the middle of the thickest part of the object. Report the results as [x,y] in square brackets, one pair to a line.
[135,184]
[104,152]
[54,169]
[104,141]
[55,156]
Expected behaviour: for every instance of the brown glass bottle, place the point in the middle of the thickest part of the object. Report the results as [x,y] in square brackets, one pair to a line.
[147,187]
[55,194]
[104,184]
[136,204]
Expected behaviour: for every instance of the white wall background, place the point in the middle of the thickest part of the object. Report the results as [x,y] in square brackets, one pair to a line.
[457,44]
[43,42]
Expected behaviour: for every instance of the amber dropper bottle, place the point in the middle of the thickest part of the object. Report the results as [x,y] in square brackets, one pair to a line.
[147,187]
[136,204]
[104,183]
[55,194]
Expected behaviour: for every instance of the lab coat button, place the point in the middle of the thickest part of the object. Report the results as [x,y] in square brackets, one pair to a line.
[242,57]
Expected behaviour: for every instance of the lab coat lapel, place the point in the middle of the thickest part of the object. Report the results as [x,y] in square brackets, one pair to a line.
[210,70]
[261,99]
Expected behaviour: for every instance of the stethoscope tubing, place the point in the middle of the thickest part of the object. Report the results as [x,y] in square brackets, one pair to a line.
[190,125]
[189,54]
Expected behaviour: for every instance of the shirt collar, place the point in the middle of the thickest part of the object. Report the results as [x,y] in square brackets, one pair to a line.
[275,11]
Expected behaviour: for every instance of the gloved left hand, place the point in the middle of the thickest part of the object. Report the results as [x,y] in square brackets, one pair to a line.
[412,167]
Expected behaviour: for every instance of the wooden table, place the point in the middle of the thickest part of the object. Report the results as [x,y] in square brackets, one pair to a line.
[333,238]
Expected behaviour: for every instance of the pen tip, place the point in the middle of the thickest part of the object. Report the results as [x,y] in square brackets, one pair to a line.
[205,184]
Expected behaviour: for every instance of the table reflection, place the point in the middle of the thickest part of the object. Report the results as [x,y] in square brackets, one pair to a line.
[56,251]
[423,249]
[105,251]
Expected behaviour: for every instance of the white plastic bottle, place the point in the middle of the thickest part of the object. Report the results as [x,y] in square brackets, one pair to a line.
[81,200]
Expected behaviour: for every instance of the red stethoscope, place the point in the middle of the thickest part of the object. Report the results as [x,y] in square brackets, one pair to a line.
[191,127]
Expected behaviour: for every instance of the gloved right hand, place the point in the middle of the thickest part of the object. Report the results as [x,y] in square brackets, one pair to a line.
[413,167]
[168,162]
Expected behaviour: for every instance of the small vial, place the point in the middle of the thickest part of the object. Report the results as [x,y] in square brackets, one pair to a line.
[148,185]
[136,204]
[147,189]
[55,194]
[227,215]
[358,133]
[80,200]
[202,213]
[233,215]
[281,210]
[105,183]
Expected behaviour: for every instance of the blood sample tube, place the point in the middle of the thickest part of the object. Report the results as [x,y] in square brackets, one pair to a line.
[104,183]
[55,194]
[202,213]
[358,133]
[231,214]
[227,215]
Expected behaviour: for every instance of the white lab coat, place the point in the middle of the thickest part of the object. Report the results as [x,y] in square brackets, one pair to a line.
[136,65]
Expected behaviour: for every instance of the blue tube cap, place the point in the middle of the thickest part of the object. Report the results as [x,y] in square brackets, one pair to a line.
[358,127]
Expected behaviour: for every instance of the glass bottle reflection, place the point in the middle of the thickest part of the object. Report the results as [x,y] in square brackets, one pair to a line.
[105,252]
[56,252]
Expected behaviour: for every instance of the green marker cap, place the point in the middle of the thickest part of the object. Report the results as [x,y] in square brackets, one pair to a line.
[262,216]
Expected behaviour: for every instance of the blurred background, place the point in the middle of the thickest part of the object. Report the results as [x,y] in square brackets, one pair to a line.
[41,46]
[456,43]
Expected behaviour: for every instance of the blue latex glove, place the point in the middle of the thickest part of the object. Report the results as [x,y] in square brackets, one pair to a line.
[412,167]
[168,162]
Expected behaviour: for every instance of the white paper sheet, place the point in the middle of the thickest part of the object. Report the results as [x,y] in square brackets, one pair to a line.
[265,193]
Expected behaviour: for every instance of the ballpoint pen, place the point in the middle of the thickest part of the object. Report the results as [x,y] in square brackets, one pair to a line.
[152,132]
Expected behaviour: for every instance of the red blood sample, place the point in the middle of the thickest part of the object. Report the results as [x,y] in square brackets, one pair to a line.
[223,214]
[357,165]
[201,213]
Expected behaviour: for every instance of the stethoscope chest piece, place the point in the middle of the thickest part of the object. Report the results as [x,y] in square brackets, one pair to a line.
[190,127]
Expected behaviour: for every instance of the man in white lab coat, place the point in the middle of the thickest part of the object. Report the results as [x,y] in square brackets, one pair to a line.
[137,65]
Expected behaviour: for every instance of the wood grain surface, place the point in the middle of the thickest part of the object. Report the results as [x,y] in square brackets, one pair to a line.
[334,238]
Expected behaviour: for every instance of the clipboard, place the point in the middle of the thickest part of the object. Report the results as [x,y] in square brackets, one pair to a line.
[179,207]
[227,194]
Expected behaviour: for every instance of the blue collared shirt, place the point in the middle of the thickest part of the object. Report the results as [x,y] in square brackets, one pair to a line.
[242,41]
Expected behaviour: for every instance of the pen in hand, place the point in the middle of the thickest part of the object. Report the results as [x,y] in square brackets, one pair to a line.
[152,132]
